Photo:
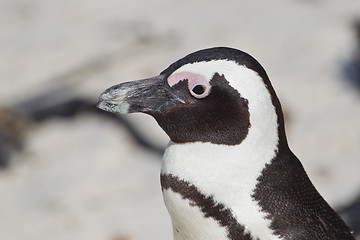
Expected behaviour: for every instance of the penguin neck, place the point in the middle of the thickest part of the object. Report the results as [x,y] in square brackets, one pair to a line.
[226,174]
[206,163]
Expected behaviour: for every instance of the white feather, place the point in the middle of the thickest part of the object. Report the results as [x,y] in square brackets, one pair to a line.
[188,222]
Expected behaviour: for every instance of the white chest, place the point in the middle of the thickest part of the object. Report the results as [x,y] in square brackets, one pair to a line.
[189,222]
[223,179]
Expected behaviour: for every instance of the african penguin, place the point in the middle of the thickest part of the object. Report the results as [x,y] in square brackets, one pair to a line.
[228,172]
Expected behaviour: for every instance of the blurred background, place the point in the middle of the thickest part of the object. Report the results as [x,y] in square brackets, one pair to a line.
[69,171]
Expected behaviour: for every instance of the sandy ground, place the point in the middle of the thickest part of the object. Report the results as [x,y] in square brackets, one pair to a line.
[85,178]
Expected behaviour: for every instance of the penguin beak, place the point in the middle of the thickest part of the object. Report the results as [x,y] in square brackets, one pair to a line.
[152,95]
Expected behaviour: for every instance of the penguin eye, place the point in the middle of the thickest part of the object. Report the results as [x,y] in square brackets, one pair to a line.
[198,90]
[199,87]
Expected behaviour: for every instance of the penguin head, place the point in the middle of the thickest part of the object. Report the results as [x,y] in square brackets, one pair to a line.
[213,95]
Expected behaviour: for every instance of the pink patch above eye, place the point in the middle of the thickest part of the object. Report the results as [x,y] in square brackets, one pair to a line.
[178,77]
[193,81]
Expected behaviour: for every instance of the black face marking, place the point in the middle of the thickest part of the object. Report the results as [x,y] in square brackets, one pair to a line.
[222,117]
[241,58]
[208,206]
[295,208]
